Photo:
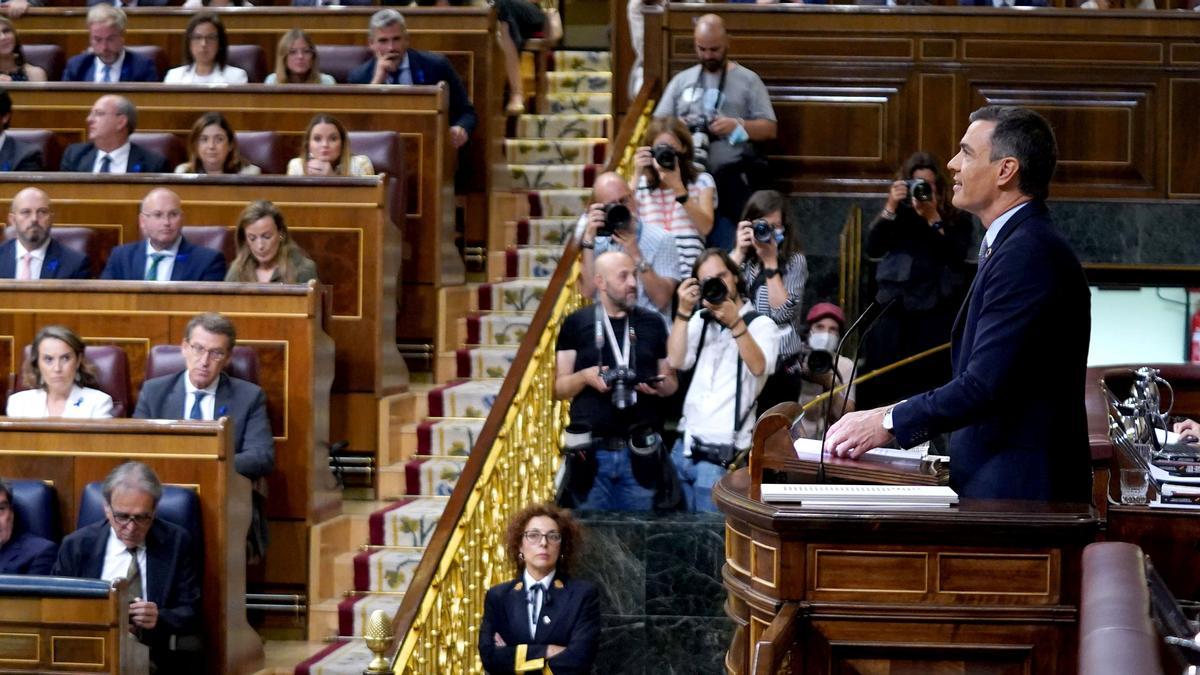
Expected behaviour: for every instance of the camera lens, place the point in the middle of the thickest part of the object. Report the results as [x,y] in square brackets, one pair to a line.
[763,231]
[713,291]
[664,156]
[616,219]
[920,190]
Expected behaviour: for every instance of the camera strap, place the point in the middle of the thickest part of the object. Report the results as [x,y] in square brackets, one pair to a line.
[699,85]
[739,419]
[623,353]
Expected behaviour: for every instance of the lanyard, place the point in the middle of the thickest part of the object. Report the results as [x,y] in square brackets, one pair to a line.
[720,87]
[623,352]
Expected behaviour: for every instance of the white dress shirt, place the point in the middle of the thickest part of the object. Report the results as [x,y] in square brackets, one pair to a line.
[114,71]
[167,265]
[534,610]
[993,231]
[206,404]
[187,75]
[37,257]
[83,403]
[116,562]
[119,162]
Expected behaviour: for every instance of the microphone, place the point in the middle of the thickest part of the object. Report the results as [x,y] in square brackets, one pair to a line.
[837,355]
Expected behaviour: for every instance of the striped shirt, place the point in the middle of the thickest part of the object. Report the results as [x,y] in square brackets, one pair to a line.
[787,315]
[660,208]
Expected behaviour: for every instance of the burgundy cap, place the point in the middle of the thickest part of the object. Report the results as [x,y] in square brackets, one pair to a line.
[824,309]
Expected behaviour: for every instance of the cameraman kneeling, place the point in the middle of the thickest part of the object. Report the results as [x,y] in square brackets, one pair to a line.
[732,349]
[817,374]
[611,362]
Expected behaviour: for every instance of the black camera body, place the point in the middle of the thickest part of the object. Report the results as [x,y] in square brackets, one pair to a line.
[714,291]
[617,218]
[665,156]
[620,381]
[919,189]
[764,232]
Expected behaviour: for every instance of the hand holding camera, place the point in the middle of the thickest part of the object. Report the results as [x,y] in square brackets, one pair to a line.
[916,194]
[722,126]
[666,165]
[715,295]
[594,378]
[689,296]
[762,236]
[607,220]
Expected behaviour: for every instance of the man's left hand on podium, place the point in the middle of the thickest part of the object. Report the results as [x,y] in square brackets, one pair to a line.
[856,433]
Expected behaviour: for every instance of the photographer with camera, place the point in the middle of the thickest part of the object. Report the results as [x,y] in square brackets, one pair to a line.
[611,363]
[612,224]
[826,321]
[730,349]
[921,242]
[671,192]
[774,271]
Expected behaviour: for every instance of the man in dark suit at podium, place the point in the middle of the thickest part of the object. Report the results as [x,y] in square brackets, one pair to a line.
[1020,342]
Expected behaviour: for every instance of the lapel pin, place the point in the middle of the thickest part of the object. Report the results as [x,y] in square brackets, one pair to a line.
[558,583]
[546,620]
[520,586]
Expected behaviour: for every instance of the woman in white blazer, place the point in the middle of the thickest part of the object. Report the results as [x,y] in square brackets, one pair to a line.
[61,380]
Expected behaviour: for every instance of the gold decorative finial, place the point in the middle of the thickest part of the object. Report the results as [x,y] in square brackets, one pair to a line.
[378,636]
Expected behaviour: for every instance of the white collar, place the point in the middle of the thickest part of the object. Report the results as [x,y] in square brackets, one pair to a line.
[993,230]
[114,68]
[544,582]
[119,155]
[211,389]
[38,253]
[173,249]
[116,546]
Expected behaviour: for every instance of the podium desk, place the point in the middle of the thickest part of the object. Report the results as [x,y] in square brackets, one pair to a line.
[988,586]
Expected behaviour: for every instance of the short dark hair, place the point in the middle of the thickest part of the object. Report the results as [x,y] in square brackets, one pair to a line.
[725,260]
[213,323]
[762,204]
[6,490]
[1026,136]
[222,38]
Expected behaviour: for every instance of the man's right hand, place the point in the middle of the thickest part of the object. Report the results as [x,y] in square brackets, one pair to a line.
[591,377]
[688,294]
[897,195]
[385,66]
[594,221]
[642,158]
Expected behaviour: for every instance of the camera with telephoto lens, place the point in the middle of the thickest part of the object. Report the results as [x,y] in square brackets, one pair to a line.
[763,231]
[617,218]
[820,349]
[919,189]
[698,128]
[621,381]
[714,291]
[664,156]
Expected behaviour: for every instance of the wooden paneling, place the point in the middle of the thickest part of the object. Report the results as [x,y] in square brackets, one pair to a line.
[1119,88]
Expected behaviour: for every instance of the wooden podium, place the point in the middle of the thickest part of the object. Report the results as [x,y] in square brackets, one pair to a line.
[988,586]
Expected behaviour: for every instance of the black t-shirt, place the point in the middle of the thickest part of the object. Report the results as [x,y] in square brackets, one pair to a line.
[594,408]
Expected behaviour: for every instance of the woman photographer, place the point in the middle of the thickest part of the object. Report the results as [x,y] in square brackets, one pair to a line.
[670,193]
[774,269]
[921,241]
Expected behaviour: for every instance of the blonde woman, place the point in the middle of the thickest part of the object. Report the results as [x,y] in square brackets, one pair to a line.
[297,61]
[326,152]
[265,252]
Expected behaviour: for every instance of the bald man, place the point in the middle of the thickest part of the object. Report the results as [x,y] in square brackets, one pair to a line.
[164,254]
[34,254]
[729,103]
[109,124]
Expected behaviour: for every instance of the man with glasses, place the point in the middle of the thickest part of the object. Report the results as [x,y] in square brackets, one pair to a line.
[156,557]
[107,60]
[21,552]
[110,122]
[164,255]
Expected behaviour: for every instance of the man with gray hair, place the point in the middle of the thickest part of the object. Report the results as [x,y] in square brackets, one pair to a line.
[156,557]
[107,60]
[396,63]
[110,122]
[21,552]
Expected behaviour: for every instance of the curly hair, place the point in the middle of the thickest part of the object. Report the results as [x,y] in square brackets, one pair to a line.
[568,527]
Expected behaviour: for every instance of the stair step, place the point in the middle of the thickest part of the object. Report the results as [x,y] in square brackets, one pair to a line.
[389,571]
[531,261]
[447,437]
[498,328]
[516,295]
[582,81]
[520,177]
[407,522]
[433,475]
[588,104]
[342,658]
[592,61]
[569,203]
[353,612]
[492,362]
[544,231]
[470,398]
[562,126]
[555,151]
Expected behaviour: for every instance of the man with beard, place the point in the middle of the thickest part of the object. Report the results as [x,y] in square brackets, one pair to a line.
[34,254]
[619,470]
[727,106]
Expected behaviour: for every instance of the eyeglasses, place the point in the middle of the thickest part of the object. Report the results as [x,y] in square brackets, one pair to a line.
[212,39]
[204,354]
[160,215]
[535,537]
[138,519]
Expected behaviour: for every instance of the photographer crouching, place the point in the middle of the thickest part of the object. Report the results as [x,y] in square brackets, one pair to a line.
[826,321]
[732,349]
[611,363]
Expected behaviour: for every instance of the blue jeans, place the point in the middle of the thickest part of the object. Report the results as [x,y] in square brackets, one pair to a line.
[696,479]
[615,487]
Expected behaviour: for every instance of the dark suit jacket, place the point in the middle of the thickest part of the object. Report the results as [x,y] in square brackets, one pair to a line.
[430,68]
[570,617]
[192,263]
[140,3]
[27,554]
[347,3]
[1019,352]
[244,403]
[82,157]
[135,67]
[18,156]
[988,3]
[61,262]
[170,570]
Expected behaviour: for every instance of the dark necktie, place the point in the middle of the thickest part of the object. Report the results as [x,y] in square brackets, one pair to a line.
[196,413]
[106,164]
[134,575]
[535,607]
[155,259]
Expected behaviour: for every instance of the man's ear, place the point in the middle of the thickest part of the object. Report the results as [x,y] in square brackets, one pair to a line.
[1009,174]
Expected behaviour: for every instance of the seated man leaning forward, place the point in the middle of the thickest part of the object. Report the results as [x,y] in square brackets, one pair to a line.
[164,254]
[110,122]
[21,552]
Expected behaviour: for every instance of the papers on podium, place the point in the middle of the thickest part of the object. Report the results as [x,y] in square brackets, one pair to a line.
[860,497]
[809,449]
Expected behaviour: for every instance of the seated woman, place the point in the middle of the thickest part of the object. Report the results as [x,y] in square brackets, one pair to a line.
[297,62]
[12,58]
[326,152]
[61,380]
[519,20]
[559,617]
[265,252]
[671,193]
[774,270]
[213,149]
[207,49]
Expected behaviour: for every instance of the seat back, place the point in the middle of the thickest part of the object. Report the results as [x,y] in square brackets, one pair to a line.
[49,58]
[178,506]
[215,237]
[263,149]
[384,150]
[36,507]
[154,53]
[112,373]
[339,60]
[165,144]
[43,139]
[79,239]
[168,360]
[251,59]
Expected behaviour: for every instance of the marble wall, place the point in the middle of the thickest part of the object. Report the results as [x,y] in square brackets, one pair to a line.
[661,592]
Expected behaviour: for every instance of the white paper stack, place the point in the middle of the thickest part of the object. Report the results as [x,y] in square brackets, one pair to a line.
[865,497]
[809,449]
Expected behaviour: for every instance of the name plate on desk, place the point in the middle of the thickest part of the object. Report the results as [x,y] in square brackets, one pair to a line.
[892,497]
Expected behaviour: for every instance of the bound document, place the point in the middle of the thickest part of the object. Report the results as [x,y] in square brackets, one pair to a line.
[844,497]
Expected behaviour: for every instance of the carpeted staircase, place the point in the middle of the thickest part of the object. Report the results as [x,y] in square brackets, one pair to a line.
[552,158]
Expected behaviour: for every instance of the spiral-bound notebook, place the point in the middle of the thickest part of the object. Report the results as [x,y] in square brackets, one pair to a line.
[824,496]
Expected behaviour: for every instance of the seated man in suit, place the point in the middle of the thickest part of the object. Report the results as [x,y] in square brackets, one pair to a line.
[24,553]
[109,125]
[164,255]
[108,60]
[15,155]
[395,63]
[34,254]
[155,556]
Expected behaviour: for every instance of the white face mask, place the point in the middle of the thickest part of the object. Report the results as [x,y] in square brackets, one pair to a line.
[823,342]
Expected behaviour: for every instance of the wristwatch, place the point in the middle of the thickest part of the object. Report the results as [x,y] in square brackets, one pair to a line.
[769,272]
[682,199]
[642,266]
